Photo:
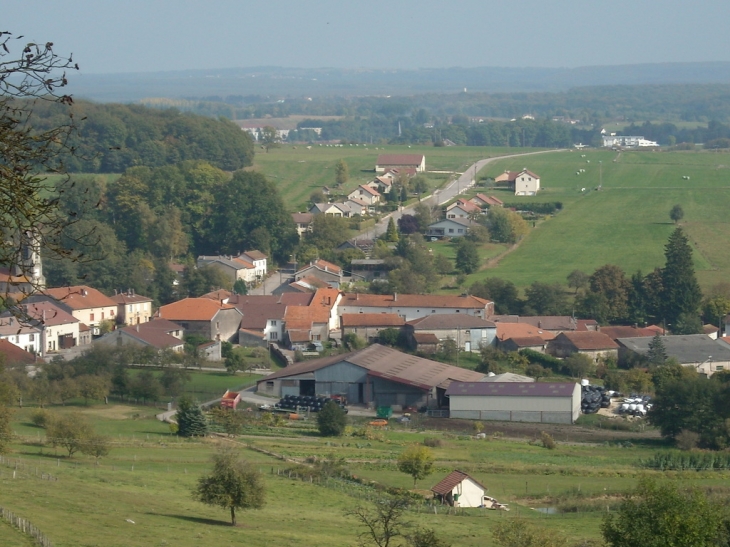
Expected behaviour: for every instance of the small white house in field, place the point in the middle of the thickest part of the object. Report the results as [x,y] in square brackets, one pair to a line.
[459,490]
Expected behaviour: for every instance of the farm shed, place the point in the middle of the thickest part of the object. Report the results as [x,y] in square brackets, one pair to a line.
[557,403]
[459,490]
[698,351]
[376,375]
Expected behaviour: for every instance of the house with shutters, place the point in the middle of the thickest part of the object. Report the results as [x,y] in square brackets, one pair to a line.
[413,306]
[132,309]
[88,305]
[59,329]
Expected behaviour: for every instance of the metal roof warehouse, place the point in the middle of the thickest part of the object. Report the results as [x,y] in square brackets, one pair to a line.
[375,375]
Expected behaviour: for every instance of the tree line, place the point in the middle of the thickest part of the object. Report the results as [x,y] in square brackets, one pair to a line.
[111,138]
[130,229]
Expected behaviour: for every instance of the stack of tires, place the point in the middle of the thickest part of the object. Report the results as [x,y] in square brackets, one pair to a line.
[594,398]
[295,402]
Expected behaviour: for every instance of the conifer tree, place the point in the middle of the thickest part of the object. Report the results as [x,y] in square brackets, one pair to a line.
[391,234]
[190,419]
[681,293]
[657,351]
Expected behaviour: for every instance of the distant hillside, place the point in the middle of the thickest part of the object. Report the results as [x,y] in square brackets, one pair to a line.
[360,82]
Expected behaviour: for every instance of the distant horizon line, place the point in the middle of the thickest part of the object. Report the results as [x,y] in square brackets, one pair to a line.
[393,69]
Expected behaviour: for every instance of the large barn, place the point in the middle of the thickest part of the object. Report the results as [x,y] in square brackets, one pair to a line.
[556,403]
[375,375]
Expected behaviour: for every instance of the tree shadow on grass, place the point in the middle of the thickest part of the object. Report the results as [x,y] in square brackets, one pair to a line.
[195,520]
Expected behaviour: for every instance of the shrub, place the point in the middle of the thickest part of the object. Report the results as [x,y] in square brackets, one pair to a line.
[432,442]
[687,440]
[547,440]
[331,420]
[40,417]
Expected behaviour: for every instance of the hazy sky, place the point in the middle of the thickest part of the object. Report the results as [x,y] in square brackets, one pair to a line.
[109,36]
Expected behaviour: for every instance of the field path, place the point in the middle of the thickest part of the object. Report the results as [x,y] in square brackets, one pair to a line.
[442,195]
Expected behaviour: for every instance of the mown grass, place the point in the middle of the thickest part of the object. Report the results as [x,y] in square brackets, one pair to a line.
[625,223]
[208,383]
[298,171]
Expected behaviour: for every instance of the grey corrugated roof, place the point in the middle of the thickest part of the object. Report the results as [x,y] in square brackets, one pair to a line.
[511,389]
[687,348]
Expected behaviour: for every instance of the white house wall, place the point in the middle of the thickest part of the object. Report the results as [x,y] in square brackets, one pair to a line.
[470,494]
[408,313]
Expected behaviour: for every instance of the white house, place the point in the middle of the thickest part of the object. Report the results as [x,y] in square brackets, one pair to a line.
[450,227]
[249,266]
[527,183]
[458,489]
[19,334]
[413,306]
[366,194]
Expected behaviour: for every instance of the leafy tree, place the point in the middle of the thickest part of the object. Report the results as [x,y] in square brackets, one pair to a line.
[426,537]
[145,386]
[389,337]
[353,342]
[97,446]
[190,419]
[577,280]
[269,138]
[715,308]
[328,232]
[579,365]
[676,214]
[443,265]
[235,362]
[657,353]
[391,233]
[233,484]
[660,514]
[92,387]
[681,293]
[419,183]
[423,216]
[546,299]
[66,389]
[248,202]
[449,351]
[506,226]
[6,430]
[71,431]
[173,380]
[408,224]
[342,173]
[331,420]
[383,522]
[416,461]
[467,257]
[611,284]
[199,281]
[537,371]
[239,287]
[317,197]
[503,292]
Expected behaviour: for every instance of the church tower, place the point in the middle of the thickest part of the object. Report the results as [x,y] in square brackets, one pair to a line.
[29,263]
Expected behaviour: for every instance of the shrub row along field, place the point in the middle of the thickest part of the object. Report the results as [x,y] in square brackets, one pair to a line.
[148,477]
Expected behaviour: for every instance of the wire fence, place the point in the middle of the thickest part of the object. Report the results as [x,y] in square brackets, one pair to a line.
[26,527]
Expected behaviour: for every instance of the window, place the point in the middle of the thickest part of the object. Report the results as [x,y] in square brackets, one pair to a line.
[720,367]
[451,230]
[91,317]
[433,311]
[102,316]
[130,308]
[273,322]
[273,336]
[461,231]
[32,337]
[111,313]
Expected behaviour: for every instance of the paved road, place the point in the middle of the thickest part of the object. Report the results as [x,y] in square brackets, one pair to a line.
[441,196]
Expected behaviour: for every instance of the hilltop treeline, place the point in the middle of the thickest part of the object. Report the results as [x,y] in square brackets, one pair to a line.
[115,137]
[131,229]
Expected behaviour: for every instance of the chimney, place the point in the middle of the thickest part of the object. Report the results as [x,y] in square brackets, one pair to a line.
[395,297]
[137,327]
[539,324]
[357,296]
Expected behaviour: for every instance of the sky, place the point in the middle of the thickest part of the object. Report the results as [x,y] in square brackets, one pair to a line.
[114,36]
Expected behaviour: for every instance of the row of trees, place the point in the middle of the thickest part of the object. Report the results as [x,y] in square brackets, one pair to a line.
[112,138]
[130,229]
[670,295]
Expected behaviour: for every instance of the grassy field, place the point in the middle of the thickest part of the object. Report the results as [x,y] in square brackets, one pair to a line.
[148,476]
[211,385]
[625,223]
[299,171]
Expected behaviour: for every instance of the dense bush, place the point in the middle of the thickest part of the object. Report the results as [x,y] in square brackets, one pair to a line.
[548,208]
[547,361]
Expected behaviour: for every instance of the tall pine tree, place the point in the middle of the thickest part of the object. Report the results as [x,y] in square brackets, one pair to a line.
[190,419]
[681,293]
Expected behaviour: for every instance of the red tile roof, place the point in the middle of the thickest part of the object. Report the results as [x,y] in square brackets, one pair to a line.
[528,341]
[81,297]
[48,314]
[446,485]
[521,330]
[626,332]
[192,309]
[588,340]
[15,355]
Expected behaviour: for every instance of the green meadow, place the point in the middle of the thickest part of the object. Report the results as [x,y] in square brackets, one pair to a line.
[298,171]
[148,476]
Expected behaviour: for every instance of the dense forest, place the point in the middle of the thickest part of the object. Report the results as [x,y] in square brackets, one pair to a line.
[115,137]
[131,229]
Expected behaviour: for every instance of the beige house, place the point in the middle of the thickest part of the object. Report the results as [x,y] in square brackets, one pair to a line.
[527,183]
[594,344]
[203,316]
[366,194]
[303,222]
[132,309]
[88,305]
[462,209]
[368,325]
[59,329]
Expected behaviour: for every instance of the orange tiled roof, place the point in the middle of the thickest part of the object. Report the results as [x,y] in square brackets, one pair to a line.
[81,297]
[521,330]
[372,320]
[590,340]
[192,309]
